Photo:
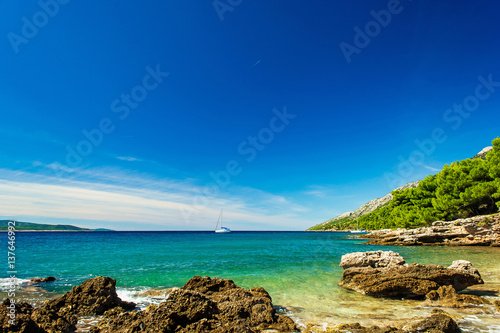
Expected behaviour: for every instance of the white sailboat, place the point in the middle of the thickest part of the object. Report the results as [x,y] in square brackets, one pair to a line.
[357,231]
[221,230]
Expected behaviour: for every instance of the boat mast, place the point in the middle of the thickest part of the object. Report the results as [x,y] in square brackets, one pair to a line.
[219,220]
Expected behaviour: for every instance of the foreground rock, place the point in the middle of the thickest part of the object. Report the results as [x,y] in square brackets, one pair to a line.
[390,277]
[474,231]
[92,297]
[203,305]
[21,314]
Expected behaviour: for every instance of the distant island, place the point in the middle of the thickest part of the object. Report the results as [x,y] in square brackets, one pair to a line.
[30,226]
[462,189]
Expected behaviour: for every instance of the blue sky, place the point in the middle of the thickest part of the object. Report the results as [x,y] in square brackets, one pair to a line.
[154,116]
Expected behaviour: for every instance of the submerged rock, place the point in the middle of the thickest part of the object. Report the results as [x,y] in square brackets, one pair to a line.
[447,296]
[203,305]
[38,280]
[438,322]
[400,280]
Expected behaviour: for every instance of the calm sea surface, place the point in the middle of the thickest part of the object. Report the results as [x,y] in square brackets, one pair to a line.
[299,269]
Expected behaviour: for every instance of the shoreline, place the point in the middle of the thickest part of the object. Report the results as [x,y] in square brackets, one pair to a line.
[368,311]
[483,230]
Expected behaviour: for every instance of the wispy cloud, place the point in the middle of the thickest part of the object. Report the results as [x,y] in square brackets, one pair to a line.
[121,196]
[428,167]
[129,158]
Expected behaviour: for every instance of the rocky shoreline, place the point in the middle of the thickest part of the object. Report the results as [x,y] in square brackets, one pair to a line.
[474,231]
[218,305]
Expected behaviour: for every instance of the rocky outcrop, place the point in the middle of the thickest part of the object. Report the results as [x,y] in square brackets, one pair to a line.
[92,297]
[474,231]
[393,278]
[38,280]
[482,154]
[203,305]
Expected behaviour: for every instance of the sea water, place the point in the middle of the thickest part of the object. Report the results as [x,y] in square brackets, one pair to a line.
[299,269]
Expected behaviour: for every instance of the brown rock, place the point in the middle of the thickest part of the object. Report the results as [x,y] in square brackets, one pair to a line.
[21,314]
[438,322]
[446,296]
[37,280]
[497,305]
[92,297]
[203,305]
[411,281]
[55,321]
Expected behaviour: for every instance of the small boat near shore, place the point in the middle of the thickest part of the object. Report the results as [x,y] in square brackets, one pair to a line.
[221,230]
[358,231]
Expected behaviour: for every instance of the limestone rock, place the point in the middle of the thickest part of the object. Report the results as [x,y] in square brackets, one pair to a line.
[473,231]
[373,259]
[410,281]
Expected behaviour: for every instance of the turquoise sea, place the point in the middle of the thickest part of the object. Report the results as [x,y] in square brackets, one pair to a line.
[299,269]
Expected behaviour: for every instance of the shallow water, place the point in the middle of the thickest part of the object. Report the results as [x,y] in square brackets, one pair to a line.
[299,269]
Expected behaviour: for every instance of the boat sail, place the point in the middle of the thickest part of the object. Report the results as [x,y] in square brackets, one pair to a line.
[221,230]
[358,231]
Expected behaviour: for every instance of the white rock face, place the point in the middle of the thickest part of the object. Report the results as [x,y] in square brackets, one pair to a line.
[483,152]
[464,266]
[375,259]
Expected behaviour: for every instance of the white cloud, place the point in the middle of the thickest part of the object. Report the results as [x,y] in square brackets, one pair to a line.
[119,196]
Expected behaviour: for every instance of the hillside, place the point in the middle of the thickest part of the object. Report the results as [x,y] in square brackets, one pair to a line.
[462,189]
[20,226]
[347,220]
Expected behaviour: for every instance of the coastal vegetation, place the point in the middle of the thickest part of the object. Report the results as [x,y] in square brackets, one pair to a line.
[30,226]
[461,189]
